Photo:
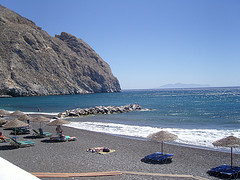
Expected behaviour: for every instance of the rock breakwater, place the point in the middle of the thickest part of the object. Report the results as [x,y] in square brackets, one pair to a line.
[99,110]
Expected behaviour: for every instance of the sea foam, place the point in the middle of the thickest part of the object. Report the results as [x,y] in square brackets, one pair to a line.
[196,137]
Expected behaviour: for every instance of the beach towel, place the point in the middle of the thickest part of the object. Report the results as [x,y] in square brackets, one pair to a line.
[110,151]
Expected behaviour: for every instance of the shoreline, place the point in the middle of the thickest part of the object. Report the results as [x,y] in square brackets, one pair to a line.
[226,150]
[71,157]
[54,116]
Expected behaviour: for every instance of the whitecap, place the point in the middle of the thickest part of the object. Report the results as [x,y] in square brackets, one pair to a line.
[197,137]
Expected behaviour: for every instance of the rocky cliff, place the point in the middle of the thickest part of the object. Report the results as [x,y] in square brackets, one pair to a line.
[34,63]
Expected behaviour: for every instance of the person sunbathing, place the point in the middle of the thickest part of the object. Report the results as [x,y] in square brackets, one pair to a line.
[98,149]
[61,135]
[3,138]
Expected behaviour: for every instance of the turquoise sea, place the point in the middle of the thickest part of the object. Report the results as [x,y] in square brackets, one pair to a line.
[197,116]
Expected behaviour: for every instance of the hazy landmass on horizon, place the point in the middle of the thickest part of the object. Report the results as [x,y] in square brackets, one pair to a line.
[181,85]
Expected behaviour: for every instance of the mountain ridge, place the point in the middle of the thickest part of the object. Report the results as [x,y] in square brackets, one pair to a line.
[33,63]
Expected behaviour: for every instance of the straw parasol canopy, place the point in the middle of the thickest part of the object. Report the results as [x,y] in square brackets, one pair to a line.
[230,141]
[40,119]
[162,136]
[58,122]
[15,124]
[24,117]
[17,113]
[4,112]
[3,121]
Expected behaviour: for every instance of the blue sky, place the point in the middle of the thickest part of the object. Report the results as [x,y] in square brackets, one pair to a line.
[149,43]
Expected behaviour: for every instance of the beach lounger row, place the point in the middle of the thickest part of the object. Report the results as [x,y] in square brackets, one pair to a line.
[41,134]
[20,131]
[158,157]
[225,171]
[63,139]
[150,156]
[21,144]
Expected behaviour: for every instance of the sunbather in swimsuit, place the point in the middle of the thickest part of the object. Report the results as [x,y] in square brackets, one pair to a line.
[99,149]
[3,138]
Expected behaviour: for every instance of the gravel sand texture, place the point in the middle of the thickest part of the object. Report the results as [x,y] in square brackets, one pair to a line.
[72,157]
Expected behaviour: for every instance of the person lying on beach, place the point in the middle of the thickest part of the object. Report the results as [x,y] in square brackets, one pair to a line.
[61,135]
[98,149]
[64,138]
[60,132]
[2,138]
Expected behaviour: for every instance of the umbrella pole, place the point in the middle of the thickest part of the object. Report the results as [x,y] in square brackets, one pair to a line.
[162,147]
[231,157]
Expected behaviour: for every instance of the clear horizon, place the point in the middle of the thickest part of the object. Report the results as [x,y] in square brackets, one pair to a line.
[150,43]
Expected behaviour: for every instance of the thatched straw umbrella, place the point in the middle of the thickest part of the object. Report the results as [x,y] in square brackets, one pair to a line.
[40,119]
[15,124]
[25,118]
[17,113]
[230,141]
[162,136]
[3,121]
[4,112]
[58,123]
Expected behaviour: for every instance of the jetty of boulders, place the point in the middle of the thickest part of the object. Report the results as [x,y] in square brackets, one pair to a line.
[100,110]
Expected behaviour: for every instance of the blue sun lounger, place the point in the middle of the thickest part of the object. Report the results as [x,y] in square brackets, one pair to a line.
[233,172]
[150,156]
[216,171]
[21,144]
[158,157]
[41,133]
[166,158]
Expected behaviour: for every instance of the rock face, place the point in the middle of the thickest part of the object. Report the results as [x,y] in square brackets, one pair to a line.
[33,63]
[99,110]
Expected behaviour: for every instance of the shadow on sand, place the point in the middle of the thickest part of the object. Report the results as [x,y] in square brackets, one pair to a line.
[7,147]
[32,137]
[168,161]
[51,141]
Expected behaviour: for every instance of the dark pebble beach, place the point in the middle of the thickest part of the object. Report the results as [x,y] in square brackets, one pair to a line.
[72,157]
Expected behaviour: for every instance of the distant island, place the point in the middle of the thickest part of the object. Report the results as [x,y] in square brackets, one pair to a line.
[181,85]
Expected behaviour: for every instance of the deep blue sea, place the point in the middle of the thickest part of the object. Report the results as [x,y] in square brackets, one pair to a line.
[197,116]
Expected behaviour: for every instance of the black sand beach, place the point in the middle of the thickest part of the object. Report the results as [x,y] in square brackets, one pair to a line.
[71,157]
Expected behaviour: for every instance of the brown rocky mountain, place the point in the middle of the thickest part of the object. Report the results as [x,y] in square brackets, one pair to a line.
[34,63]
